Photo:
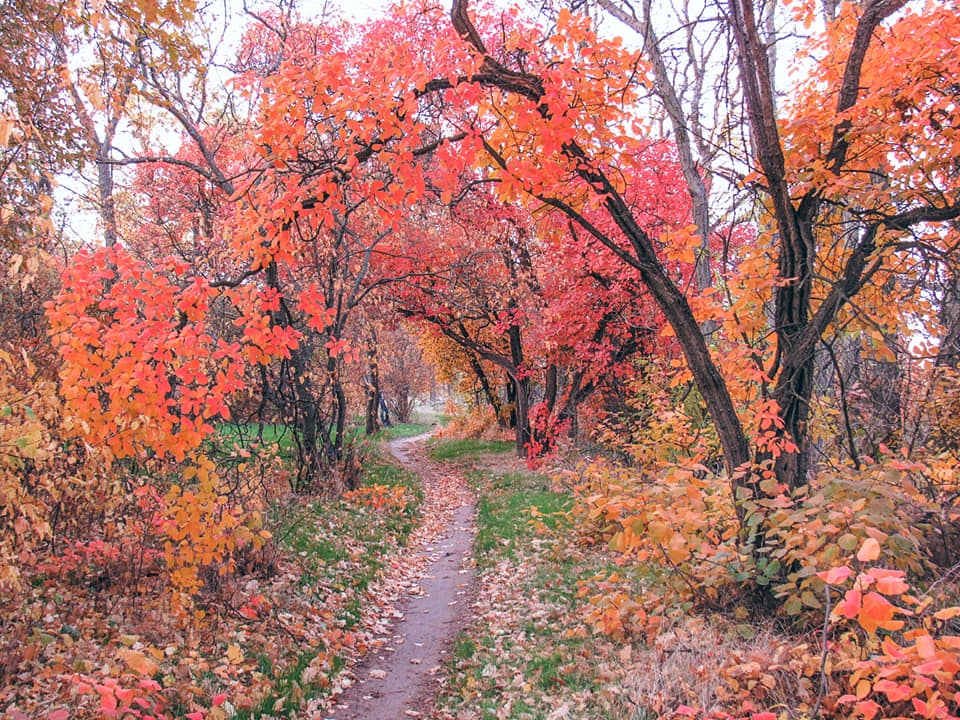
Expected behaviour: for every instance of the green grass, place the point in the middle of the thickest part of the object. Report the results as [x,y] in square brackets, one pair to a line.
[468,448]
[229,434]
[465,646]
[505,515]
[402,430]
[245,434]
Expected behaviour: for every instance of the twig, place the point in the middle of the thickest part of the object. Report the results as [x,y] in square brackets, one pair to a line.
[943,578]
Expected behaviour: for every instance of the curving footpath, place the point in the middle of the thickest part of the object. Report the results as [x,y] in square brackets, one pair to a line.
[397,679]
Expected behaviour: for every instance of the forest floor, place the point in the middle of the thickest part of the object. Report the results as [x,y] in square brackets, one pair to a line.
[490,627]
[527,653]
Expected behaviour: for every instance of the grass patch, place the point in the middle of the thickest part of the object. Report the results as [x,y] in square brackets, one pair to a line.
[265,435]
[468,448]
[229,436]
[506,515]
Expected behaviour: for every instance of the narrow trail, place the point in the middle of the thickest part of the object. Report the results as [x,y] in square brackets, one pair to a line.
[422,601]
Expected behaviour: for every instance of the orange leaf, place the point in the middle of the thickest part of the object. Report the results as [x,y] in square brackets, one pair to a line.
[876,611]
[926,647]
[869,551]
[947,613]
[892,585]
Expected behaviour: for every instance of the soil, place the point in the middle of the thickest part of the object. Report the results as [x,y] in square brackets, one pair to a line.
[423,601]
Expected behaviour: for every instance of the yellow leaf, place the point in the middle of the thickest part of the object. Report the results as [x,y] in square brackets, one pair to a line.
[234,654]
[6,126]
[947,613]
[677,548]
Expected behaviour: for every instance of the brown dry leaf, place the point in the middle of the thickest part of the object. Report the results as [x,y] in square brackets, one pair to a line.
[138,662]
[234,654]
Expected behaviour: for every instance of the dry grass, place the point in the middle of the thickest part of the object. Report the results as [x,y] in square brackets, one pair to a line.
[699,663]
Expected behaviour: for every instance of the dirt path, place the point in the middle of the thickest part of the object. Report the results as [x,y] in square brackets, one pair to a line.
[423,601]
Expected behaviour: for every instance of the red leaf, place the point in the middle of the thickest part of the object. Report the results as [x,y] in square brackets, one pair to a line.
[928,668]
[867,708]
[836,575]
[850,607]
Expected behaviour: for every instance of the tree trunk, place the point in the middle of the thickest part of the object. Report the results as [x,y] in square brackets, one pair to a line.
[487,390]
[108,212]
[550,387]
[521,385]
[522,428]
[373,385]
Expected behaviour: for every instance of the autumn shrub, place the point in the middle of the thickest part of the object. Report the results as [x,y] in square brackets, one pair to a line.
[909,669]
[700,663]
[134,694]
[889,650]
[885,651]
[470,422]
[685,523]
[52,484]
[73,511]
[660,420]
[200,529]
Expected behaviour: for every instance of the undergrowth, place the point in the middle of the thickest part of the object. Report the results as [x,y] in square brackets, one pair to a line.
[265,637]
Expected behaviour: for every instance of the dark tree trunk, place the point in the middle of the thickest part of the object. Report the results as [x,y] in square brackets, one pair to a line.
[550,387]
[521,383]
[510,390]
[373,385]
[488,392]
[340,413]
[522,428]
